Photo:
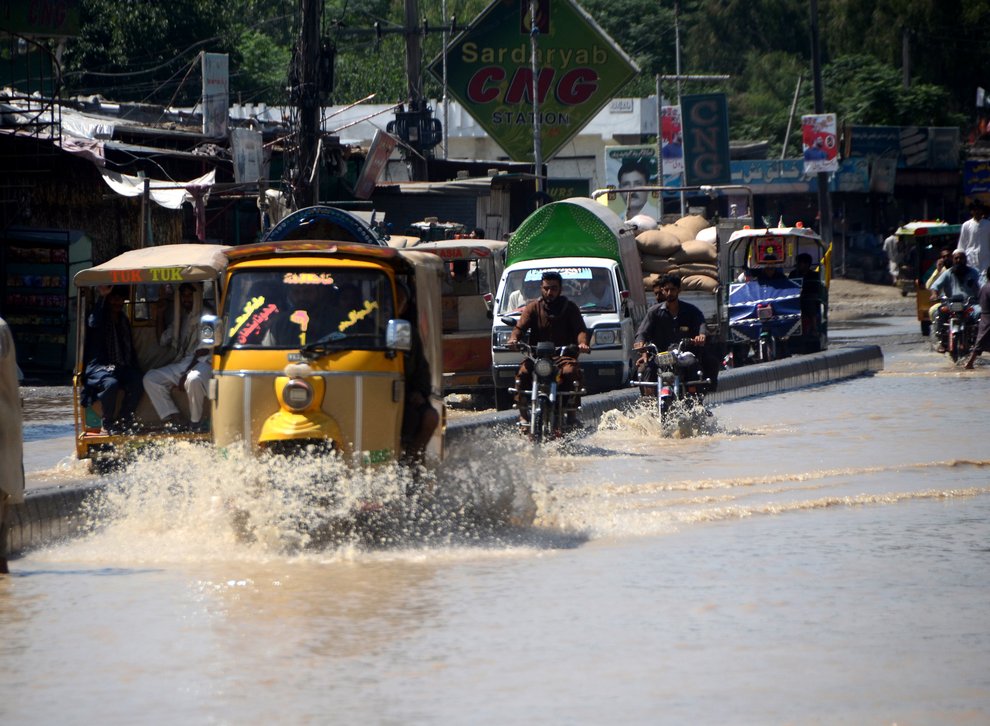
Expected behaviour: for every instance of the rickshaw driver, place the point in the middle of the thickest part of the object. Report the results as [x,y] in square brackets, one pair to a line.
[668,322]
[552,317]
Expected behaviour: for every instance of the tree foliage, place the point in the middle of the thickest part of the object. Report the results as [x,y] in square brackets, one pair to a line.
[145,50]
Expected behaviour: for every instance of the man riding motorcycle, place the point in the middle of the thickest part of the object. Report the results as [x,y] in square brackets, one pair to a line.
[959,279]
[669,321]
[552,318]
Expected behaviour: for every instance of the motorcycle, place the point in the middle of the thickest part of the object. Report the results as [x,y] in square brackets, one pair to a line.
[552,412]
[677,377]
[960,320]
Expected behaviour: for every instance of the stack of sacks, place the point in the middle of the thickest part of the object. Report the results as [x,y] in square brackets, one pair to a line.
[686,248]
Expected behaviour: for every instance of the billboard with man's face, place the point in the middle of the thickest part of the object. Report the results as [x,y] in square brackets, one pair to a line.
[632,166]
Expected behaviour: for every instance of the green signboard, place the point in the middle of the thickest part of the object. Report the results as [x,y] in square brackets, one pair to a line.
[489,71]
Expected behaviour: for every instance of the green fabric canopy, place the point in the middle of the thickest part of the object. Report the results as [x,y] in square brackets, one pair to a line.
[577,227]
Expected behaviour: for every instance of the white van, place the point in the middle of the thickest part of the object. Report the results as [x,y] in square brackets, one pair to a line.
[594,278]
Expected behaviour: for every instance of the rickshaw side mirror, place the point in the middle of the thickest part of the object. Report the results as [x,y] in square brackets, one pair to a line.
[398,335]
[209,325]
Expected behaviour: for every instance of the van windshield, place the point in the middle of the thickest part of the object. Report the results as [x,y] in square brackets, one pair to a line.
[590,288]
[291,308]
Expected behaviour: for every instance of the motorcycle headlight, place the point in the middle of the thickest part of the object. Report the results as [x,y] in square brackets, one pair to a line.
[665,360]
[297,395]
[608,336]
[543,367]
[956,306]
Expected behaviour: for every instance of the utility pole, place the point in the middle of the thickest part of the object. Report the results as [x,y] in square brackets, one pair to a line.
[534,33]
[824,199]
[306,97]
[414,84]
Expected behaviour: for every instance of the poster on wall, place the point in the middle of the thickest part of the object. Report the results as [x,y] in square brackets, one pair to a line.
[632,166]
[672,136]
[820,142]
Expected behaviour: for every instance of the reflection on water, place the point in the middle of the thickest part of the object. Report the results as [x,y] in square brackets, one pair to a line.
[813,556]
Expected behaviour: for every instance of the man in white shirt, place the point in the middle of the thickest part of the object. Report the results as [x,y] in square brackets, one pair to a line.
[190,371]
[974,238]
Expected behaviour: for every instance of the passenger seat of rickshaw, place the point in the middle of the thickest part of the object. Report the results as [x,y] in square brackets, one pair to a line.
[150,354]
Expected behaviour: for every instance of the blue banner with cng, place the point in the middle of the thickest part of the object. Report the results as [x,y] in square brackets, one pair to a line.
[705,120]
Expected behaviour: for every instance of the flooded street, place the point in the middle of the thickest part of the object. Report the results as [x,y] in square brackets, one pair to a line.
[821,556]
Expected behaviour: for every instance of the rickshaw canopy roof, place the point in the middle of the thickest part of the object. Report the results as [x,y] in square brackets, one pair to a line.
[803,232]
[576,227]
[923,228]
[457,249]
[158,265]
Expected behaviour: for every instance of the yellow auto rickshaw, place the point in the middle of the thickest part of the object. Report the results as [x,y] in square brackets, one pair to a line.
[309,349]
[148,287]
[921,243]
[472,269]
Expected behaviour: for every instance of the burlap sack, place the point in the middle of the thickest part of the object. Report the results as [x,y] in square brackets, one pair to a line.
[657,243]
[659,265]
[683,234]
[694,223]
[698,268]
[695,250]
[699,282]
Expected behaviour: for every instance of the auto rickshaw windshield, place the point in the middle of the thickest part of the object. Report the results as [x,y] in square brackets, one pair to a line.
[291,308]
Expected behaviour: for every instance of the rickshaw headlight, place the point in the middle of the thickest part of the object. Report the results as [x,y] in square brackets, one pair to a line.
[297,394]
[543,367]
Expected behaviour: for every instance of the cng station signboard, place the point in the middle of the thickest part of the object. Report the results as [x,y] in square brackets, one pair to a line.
[489,71]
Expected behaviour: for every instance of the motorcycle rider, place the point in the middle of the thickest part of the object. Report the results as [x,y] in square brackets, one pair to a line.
[552,317]
[666,323]
[959,279]
[983,333]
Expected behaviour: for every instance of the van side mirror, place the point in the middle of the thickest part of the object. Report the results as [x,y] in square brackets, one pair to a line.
[509,320]
[209,326]
[398,335]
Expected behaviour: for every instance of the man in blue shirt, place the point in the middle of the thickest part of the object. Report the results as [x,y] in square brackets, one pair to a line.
[959,279]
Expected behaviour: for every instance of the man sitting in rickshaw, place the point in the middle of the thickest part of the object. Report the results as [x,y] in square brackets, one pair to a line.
[111,362]
[190,369]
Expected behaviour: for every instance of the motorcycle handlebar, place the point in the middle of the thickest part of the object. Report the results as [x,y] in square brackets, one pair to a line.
[563,351]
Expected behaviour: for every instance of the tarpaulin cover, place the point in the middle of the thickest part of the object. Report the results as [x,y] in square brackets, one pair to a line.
[783,295]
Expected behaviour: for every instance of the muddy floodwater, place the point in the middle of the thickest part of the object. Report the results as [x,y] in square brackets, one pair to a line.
[820,556]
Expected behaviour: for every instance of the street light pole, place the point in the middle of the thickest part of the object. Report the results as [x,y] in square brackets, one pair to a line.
[534,33]
[824,199]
